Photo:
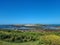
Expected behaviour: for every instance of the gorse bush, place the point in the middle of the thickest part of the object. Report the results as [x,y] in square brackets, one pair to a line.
[50,40]
[15,36]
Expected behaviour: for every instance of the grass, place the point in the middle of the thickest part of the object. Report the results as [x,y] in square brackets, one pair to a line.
[25,43]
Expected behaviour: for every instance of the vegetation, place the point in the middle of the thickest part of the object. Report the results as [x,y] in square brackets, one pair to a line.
[14,37]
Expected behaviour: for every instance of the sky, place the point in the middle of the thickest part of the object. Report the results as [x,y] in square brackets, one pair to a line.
[29,11]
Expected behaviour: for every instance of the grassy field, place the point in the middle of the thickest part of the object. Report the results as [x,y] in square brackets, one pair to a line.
[9,37]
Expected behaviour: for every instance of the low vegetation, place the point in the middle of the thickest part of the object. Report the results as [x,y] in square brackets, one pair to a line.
[14,37]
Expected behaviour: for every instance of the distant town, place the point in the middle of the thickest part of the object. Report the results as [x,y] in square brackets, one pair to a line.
[30,26]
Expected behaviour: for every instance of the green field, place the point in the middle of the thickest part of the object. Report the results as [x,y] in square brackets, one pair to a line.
[11,37]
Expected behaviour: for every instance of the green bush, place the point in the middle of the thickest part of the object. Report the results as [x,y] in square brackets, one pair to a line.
[50,40]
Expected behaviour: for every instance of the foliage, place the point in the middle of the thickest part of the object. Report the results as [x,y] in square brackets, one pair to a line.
[14,37]
[50,40]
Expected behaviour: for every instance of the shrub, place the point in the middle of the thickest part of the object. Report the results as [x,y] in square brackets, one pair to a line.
[50,40]
[4,36]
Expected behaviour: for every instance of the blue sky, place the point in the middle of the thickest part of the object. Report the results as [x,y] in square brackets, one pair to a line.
[29,11]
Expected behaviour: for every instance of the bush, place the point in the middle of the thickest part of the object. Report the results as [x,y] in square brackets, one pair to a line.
[50,40]
[4,36]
